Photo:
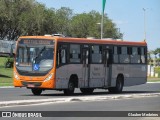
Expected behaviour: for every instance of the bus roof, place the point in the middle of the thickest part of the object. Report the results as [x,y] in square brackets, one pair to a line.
[85,40]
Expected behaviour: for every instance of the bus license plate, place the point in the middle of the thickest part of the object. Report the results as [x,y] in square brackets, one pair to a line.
[30,85]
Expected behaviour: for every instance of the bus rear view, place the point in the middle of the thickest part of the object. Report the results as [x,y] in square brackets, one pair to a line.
[34,64]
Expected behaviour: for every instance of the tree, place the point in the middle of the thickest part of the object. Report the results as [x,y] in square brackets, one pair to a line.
[80,25]
[11,12]
[28,17]
[62,20]
[157,52]
[156,60]
[86,25]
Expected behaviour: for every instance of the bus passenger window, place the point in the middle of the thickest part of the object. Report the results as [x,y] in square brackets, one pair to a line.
[115,50]
[124,57]
[96,54]
[135,52]
[135,57]
[63,56]
[143,59]
[75,53]
[115,56]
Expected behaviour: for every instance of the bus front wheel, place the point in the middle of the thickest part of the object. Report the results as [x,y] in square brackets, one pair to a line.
[70,89]
[36,91]
[119,86]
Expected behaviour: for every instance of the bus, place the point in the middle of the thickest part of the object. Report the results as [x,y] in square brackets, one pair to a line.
[63,63]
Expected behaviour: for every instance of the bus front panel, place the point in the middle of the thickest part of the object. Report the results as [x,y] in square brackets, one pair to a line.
[34,63]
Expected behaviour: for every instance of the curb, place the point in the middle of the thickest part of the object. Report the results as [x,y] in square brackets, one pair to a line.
[74,99]
[154,82]
[7,87]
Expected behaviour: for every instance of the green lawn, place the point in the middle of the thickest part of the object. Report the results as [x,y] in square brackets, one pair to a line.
[153,79]
[6,74]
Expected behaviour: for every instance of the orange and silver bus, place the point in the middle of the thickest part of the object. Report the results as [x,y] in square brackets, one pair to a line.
[63,63]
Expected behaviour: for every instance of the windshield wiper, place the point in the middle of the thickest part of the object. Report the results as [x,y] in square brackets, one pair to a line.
[37,56]
[28,54]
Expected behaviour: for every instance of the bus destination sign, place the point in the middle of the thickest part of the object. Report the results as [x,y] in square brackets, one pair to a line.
[36,42]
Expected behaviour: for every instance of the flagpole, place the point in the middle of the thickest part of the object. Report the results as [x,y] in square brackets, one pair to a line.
[102,19]
[144,24]
[102,24]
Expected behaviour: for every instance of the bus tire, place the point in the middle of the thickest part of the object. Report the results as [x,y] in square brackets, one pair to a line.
[36,91]
[70,90]
[119,85]
[87,90]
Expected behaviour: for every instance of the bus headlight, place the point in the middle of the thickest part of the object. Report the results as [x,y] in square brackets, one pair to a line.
[48,77]
[16,76]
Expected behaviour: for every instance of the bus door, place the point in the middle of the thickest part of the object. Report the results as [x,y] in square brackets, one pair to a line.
[86,66]
[106,66]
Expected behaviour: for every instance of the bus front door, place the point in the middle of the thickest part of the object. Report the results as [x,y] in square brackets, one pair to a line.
[106,67]
[86,67]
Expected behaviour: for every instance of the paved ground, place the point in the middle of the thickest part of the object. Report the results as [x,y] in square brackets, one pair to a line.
[136,98]
[138,104]
[9,94]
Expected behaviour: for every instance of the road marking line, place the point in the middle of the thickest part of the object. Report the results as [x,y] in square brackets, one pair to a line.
[75,99]
[7,87]
[153,82]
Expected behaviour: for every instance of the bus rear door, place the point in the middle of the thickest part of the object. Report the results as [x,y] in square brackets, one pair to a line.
[86,67]
[106,67]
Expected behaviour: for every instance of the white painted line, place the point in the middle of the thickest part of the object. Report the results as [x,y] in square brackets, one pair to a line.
[153,82]
[7,87]
[75,99]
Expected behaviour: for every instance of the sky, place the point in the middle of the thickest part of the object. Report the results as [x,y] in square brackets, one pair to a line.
[127,14]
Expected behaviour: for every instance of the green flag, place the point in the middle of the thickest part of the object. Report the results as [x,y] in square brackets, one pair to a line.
[103,4]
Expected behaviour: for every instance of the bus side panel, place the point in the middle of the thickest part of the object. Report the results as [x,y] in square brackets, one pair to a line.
[96,75]
[133,74]
[64,73]
[138,75]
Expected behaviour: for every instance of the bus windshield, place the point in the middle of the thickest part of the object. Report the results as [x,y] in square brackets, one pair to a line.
[34,56]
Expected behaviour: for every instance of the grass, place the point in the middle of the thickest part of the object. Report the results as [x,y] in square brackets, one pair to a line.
[6,74]
[6,84]
[153,79]
[157,70]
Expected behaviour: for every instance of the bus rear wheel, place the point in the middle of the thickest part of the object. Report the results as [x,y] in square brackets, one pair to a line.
[36,91]
[119,86]
[87,90]
[70,89]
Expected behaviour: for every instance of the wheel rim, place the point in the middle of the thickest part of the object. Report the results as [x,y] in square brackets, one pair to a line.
[71,86]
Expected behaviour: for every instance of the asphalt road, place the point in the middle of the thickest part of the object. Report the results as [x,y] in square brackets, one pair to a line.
[10,94]
[138,104]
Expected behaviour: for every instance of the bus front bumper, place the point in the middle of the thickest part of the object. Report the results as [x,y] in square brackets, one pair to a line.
[34,84]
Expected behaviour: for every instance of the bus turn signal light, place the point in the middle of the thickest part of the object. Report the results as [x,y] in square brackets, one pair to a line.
[16,76]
